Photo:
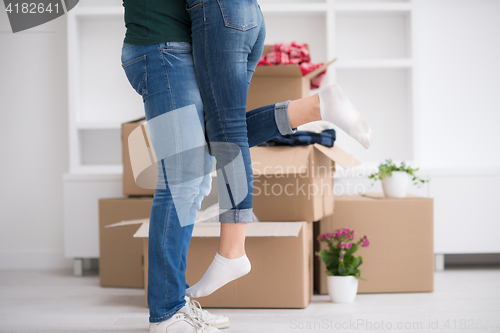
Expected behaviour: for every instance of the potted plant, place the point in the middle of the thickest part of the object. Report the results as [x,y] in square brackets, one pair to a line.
[396,179]
[341,264]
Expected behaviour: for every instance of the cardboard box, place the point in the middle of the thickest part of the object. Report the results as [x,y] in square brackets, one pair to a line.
[290,183]
[400,257]
[282,265]
[279,83]
[144,161]
[295,183]
[121,256]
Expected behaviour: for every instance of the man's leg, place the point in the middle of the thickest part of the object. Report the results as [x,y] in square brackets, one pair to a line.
[172,100]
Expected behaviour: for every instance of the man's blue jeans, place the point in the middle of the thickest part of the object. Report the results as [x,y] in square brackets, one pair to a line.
[163,74]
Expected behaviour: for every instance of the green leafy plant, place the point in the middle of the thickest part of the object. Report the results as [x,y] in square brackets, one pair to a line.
[339,258]
[386,169]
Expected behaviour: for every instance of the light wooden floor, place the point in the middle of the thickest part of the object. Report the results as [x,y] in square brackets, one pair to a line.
[55,301]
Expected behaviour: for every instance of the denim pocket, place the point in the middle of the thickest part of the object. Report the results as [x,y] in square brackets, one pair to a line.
[239,15]
[177,47]
[135,69]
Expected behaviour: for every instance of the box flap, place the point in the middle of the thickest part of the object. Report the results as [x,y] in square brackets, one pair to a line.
[129,222]
[138,120]
[255,229]
[143,231]
[338,155]
[319,70]
[278,70]
[280,160]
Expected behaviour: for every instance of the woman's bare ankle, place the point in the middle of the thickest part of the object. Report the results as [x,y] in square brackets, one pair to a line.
[304,110]
[231,253]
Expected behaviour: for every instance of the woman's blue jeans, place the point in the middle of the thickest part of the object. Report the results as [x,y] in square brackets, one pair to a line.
[163,74]
[228,40]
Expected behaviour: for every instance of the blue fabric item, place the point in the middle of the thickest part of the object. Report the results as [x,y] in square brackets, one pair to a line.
[302,138]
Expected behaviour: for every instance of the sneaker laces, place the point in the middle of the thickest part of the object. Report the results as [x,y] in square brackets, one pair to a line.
[199,324]
[198,311]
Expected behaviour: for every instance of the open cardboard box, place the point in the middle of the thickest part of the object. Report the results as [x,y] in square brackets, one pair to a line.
[295,183]
[400,257]
[279,83]
[290,183]
[280,253]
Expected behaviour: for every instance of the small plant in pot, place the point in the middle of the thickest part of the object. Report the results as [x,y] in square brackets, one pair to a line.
[341,264]
[396,179]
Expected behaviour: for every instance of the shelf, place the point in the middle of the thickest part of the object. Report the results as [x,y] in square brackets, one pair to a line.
[373,7]
[374,63]
[367,37]
[71,177]
[87,125]
[99,169]
[301,8]
[383,97]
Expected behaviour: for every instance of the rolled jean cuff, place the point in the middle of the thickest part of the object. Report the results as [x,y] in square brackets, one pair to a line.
[281,117]
[236,216]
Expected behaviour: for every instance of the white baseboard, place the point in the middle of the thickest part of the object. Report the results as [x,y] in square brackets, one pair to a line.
[34,259]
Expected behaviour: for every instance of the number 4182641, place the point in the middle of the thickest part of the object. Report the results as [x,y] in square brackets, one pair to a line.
[31,8]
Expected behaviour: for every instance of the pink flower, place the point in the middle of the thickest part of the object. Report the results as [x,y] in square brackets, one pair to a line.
[365,241]
[349,245]
[342,245]
[343,252]
[340,258]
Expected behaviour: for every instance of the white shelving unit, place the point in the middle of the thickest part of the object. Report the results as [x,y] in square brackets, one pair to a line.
[373,40]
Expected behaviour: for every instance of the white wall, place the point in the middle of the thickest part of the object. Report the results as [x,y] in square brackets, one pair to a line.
[33,144]
[458,52]
[459,108]
[459,70]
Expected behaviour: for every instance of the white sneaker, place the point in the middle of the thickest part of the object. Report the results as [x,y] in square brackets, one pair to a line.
[183,321]
[218,321]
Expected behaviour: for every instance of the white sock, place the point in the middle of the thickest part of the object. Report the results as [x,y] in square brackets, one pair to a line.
[221,271]
[338,110]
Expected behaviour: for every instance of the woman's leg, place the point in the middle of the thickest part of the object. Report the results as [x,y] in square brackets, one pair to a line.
[224,33]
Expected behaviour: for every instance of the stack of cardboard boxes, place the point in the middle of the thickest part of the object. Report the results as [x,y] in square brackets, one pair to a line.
[293,187]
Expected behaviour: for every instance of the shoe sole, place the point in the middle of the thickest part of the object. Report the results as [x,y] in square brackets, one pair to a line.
[221,325]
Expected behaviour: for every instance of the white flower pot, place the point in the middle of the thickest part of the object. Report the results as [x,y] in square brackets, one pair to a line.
[397,185]
[342,289]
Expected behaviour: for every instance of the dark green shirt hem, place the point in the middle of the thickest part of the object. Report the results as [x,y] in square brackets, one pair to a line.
[154,41]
